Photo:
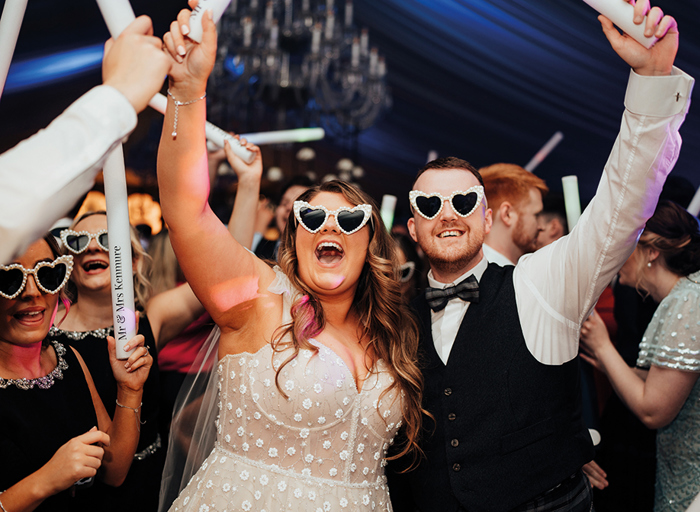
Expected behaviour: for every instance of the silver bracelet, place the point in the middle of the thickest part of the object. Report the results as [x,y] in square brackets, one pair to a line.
[2,507]
[136,413]
[181,104]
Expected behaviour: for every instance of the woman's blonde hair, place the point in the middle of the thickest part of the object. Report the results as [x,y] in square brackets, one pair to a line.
[165,270]
[141,262]
[384,320]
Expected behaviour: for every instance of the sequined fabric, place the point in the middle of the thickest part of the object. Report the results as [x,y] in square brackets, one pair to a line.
[320,448]
[46,381]
[672,340]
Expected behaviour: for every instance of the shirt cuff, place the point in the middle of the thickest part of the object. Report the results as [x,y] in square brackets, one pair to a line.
[109,109]
[659,96]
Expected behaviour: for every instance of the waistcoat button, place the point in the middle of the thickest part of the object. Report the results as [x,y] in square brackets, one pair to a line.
[455,443]
[452,416]
[448,391]
[456,467]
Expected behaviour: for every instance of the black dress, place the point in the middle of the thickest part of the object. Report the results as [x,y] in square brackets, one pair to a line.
[38,417]
[143,479]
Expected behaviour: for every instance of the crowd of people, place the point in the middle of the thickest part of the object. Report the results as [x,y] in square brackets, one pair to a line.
[456,364]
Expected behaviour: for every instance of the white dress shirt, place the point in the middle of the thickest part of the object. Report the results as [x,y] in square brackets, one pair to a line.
[557,286]
[42,177]
[494,256]
[445,323]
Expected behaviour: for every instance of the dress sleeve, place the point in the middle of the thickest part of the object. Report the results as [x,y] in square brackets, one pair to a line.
[283,286]
[672,339]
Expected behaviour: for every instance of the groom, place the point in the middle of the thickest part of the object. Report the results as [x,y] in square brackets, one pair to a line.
[499,349]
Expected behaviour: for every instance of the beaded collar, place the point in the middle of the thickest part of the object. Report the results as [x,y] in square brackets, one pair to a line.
[46,381]
[81,335]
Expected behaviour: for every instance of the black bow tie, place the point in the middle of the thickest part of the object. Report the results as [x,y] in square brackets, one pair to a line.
[467,290]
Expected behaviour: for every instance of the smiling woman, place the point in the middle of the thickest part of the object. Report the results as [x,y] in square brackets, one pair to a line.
[88,322]
[44,383]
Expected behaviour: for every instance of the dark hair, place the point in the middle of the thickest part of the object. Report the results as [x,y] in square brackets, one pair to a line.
[449,162]
[301,180]
[676,235]
[553,206]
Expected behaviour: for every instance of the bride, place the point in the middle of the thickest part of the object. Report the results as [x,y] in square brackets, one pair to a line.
[317,357]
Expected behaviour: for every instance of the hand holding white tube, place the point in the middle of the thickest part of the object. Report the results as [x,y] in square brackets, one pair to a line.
[118,14]
[654,61]
[135,64]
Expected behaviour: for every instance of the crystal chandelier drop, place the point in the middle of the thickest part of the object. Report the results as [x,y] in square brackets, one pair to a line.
[291,63]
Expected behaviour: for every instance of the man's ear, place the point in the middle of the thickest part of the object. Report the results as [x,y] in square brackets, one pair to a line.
[555,229]
[411,224]
[488,221]
[506,214]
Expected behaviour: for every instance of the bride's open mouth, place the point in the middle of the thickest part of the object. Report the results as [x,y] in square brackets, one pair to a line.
[329,253]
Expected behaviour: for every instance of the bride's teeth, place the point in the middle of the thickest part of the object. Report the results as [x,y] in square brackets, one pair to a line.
[329,244]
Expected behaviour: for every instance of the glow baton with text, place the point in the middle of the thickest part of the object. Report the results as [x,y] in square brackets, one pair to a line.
[120,267]
[572,201]
[10,23]
[621,14]
[117,15]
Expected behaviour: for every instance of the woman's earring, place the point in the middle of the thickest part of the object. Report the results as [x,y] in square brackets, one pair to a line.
[649,264]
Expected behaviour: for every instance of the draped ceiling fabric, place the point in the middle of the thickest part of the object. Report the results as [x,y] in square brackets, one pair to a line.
[486,80]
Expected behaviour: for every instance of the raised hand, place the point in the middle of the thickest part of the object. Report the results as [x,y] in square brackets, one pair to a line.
[193,61]
[594,339]
[655,61]
[244,171]
[135,64]
[79,458]
[132,373]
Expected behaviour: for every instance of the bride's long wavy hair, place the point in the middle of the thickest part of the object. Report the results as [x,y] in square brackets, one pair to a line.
[384,319]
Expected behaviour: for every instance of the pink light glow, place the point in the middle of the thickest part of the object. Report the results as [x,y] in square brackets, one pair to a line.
[234,292]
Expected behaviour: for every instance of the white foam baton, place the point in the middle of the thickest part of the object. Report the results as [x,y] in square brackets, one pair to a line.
[217,136]
[544,152]
[694,206]
[621,13]
[117,15]
[10,23]
[118,227]
[572,201]
[386,211]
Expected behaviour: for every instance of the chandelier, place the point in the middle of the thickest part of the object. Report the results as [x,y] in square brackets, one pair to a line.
[292,63]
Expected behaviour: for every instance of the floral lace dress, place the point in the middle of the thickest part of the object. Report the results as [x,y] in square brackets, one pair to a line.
[672,340]
[320,449]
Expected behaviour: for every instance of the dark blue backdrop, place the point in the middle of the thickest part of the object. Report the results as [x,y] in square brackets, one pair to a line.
[486,80]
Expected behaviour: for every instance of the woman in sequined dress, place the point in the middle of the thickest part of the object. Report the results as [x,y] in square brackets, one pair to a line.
[317,357]
[87,324]
[50,445]
[663,391]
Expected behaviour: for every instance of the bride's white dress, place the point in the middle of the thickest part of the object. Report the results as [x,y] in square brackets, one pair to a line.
[320,449]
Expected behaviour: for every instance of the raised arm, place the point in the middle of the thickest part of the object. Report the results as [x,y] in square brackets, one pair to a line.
[221,272]
[59,163]
[241,225]
[580,265]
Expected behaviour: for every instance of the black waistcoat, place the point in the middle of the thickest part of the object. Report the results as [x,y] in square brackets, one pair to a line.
[507,427]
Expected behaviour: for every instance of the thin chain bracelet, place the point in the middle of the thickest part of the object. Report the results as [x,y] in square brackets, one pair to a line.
[181,104]
[2,507]
[136,413]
